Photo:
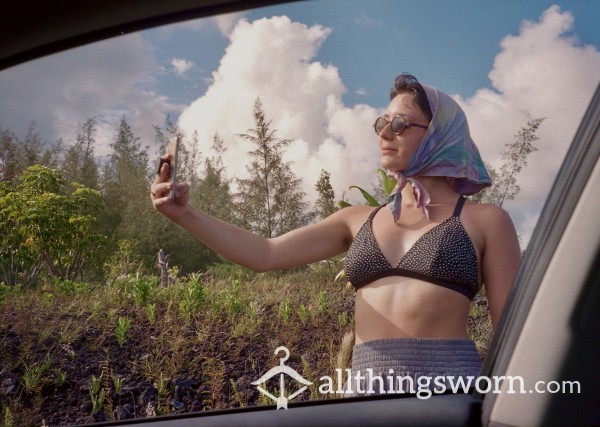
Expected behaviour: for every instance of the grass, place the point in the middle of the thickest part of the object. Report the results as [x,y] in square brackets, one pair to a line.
[217,330]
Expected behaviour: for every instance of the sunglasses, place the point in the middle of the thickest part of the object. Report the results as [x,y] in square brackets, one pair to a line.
[399,123]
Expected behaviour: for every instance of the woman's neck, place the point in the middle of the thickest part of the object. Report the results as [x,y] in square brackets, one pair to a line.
[438,188]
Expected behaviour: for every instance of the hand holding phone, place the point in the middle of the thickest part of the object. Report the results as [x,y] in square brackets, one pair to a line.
[173,153]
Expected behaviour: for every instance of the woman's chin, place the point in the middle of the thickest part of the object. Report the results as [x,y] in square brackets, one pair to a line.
[389,164]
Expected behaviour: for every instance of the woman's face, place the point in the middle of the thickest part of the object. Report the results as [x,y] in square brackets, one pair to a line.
[396,150]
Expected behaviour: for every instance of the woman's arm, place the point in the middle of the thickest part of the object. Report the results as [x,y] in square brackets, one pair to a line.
[308,244]
[501,259]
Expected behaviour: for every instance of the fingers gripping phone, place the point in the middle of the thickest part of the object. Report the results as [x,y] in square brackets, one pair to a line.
[173,150]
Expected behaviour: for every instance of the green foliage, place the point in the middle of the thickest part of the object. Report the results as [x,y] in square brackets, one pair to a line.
[270,202]
[8,418]
[151,313]
[117,383]
[4,290]
[123,326]
[79,164]
[325,204]
[514,159]
[285,310]
[303,314]
[233,301]
[17,155]
[125,182]
[192,297]
[344,319]
[142,288]
[43,224]
[213,193]
[97,394]
[387,183]
[323,303]
[125,260]
[70,287]
[9,155]
[34,375]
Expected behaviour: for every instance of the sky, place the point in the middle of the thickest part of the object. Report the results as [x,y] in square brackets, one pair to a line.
[323,70]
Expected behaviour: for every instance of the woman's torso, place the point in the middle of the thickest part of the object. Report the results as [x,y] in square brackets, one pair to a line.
[398,306]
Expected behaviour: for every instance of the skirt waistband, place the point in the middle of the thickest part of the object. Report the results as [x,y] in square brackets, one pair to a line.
[422,355]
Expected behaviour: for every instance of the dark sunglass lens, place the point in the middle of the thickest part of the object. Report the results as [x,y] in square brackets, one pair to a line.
[379,125]
[398,125]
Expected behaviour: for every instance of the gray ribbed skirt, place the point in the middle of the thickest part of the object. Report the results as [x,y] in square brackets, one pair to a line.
[414,358]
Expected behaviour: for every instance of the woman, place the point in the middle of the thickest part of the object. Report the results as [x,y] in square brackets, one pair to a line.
[416,265]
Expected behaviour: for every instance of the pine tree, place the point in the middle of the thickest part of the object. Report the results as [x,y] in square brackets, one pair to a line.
[9,155]
[325,204]
[79,163]
[213,193]
[514,159]
[125,183]
[270,202]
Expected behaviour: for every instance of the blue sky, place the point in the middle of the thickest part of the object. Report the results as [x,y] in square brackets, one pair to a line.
[323,70]
[437,40]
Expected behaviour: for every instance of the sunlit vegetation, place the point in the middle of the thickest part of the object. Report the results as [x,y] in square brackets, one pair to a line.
[93,329]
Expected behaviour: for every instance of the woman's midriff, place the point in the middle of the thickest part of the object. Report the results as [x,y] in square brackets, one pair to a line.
[402,307]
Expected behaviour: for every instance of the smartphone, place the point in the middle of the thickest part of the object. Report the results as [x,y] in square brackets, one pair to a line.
[173,168]
[173,150]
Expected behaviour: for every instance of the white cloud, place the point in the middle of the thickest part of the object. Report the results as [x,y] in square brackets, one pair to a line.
[541,72]
[104,80]
[224,23]
[181,66]
[273,58]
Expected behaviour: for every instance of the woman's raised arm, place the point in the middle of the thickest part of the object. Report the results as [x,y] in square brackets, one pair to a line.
[308,244]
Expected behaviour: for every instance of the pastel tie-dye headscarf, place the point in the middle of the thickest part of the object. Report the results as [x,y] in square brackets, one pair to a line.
[446,150]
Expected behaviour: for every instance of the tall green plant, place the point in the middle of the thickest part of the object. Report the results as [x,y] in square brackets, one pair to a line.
[514,159]
[79,163]
[387,182]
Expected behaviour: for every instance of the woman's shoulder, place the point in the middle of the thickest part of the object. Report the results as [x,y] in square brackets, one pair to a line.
[488,216]
[355,216]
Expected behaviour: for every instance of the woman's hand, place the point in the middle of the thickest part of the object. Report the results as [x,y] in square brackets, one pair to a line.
[160,192]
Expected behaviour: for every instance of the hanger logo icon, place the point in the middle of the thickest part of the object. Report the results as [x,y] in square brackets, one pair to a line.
[282,370]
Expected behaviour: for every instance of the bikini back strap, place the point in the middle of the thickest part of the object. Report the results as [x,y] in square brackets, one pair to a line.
[459,205]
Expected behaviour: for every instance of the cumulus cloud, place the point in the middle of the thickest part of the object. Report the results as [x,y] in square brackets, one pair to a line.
[223,23]
[541,72]
[544,71]
[273,59]
[104,80]
[181,66]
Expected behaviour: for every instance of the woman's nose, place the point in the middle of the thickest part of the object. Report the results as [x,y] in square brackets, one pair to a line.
[386,132]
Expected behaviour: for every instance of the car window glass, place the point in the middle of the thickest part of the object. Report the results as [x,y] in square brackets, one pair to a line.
[129,312]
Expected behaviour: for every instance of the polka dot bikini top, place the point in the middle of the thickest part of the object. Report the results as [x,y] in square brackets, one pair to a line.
[444,255]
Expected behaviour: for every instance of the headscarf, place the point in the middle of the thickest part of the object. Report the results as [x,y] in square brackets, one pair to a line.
[446,150]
